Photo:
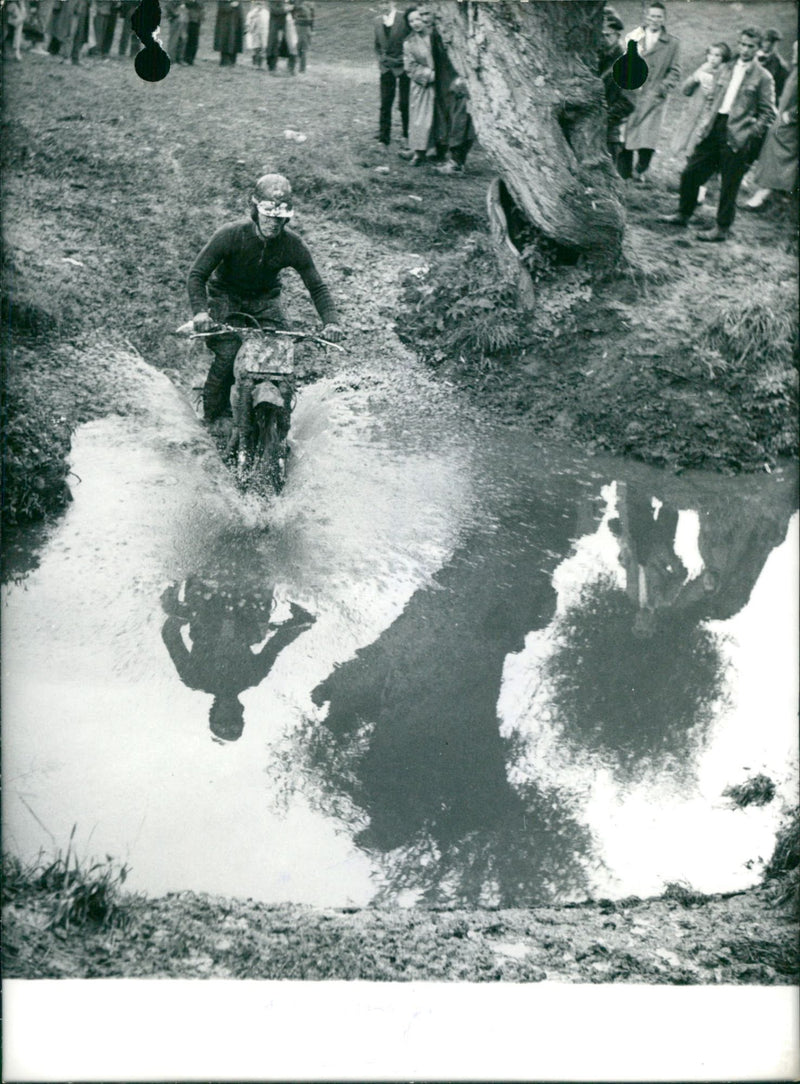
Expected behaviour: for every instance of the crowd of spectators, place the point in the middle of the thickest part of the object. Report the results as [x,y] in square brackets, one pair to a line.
[741,114]
[78,29]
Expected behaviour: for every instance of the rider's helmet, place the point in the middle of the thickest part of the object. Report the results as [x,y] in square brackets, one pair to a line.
[272,196]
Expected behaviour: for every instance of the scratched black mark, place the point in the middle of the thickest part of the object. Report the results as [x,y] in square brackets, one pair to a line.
[630,70]
[152,62]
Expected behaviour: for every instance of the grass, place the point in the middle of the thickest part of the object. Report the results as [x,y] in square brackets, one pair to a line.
[73,892]
[760,790]
[35,445]
[682,893]
[756,332]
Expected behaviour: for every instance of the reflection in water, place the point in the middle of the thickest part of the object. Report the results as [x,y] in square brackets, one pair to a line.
[431,776]
[228,654]
[437,763]
[734,541]
[639,701]
[654,573]
[636,675]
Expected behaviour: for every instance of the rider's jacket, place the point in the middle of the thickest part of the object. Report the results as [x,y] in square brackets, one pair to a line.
[238,261]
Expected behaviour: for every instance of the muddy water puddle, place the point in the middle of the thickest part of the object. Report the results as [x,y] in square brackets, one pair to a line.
[444,666]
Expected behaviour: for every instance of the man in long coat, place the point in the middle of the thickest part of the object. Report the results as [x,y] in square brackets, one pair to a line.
[776,169]
[229,31]
[742,109]
[660,52]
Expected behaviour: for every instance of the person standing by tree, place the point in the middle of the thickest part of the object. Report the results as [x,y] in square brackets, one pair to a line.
[618,102]
[418,64]
[661,54]
[742,109]
[391,30]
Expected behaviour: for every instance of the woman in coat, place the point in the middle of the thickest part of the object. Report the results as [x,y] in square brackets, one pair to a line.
[418,65]
[228,31]
[643,127]
[776,168]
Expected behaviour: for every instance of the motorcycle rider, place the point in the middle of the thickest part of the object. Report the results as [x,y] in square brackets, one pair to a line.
[238,271]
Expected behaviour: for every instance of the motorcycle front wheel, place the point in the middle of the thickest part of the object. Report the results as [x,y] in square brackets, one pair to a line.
[270,457]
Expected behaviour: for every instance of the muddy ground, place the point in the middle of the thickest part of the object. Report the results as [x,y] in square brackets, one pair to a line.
[111,186]
[683,940]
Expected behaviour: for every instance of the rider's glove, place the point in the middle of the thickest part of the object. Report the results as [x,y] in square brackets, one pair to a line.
[202,322]
[333,333]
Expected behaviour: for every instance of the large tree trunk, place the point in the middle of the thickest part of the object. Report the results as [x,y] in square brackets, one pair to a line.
[539,111]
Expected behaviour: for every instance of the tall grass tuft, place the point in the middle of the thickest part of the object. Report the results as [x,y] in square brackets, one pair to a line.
[75,892]
[782,875]
[757,332]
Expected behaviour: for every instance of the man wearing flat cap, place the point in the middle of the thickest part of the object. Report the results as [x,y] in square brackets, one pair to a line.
[770,59]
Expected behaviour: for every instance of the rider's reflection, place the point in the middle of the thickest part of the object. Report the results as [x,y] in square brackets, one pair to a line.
[227,654]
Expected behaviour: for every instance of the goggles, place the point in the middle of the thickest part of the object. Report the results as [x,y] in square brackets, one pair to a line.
[271,209]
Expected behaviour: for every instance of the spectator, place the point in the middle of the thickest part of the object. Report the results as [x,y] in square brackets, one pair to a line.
[257,31]
[776,169]
[59,27]
[175,11]
[771,60]
[742,109]
[391,30]
[282,35]
[15,13]
[661,53]
[128,42]
[228,31]
[105,20]
[44,13]
[700,87]
[418,64]
[304,24]
[195,10]
[619,104]
[461,133]
[78,28]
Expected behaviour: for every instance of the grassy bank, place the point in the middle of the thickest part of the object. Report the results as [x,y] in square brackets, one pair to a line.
[686,356]
[66,919]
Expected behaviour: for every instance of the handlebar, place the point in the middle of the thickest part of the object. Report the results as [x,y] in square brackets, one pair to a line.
[187,331]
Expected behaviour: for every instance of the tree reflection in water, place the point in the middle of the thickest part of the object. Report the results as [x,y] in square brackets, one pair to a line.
[411,736]
[638,701]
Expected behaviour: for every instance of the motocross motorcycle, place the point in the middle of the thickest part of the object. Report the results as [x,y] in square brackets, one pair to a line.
[262,399]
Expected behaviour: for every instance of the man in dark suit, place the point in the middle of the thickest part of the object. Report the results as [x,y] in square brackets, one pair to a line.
[391,30]
[741,111]
[770,59]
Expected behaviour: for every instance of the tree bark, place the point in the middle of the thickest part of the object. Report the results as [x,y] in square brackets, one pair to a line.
[539,112]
